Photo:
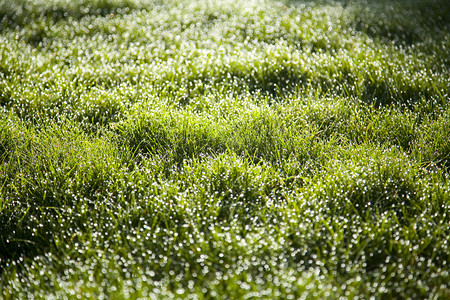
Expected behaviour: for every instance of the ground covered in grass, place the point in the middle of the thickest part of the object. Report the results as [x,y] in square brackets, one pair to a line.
[224,149]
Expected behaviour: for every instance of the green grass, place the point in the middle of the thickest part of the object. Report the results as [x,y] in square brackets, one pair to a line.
[224,149]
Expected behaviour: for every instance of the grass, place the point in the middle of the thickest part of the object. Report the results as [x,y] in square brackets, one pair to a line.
[222,149]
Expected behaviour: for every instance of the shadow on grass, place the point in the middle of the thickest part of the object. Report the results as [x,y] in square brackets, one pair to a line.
[385,94]
[404,22]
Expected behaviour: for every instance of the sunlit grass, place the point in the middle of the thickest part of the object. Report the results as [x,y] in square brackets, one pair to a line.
[224,149]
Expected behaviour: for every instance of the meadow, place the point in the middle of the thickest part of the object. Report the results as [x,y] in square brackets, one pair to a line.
[224,149]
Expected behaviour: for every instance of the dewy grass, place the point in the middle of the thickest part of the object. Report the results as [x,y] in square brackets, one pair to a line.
[224,149]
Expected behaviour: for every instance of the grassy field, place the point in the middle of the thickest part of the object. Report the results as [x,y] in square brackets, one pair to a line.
[224,149]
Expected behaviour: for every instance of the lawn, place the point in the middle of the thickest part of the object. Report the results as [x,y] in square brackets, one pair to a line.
[224,149]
